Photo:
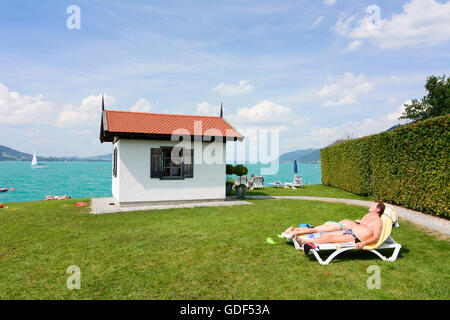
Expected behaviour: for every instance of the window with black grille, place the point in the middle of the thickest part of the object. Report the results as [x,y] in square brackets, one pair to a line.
[172,163]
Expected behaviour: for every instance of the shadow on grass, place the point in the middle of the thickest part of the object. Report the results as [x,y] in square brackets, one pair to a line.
[320,191]
[359,255]
[355,255]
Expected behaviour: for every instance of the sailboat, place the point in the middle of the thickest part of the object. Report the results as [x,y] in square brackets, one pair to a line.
[35,164]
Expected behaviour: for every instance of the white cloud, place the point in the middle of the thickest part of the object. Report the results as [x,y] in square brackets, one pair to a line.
[392,100]
[354,45]
[408,78]
[316,23]
[264,112]
[395,115]
[421,23]
[264,116]
[344,89]
[205,109]
[368,126]
[330,2]
[395,79]
[248,128]
[342,26]
[141,105]
[242,87]
[341,102]
[17,109]
[87,114]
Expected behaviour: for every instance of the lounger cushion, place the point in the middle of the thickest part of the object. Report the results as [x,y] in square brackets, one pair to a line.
[389,217]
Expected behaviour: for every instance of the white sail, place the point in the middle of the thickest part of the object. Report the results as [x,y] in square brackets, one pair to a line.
[34,162]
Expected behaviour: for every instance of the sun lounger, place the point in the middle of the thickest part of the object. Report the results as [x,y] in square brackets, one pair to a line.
[258,183]
[385,241]
[242,180]
[276,184]
[297,182]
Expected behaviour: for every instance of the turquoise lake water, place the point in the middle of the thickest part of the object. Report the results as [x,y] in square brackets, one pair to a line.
[93,179]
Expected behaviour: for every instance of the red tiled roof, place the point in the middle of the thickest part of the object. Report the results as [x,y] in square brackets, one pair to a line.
[167,124]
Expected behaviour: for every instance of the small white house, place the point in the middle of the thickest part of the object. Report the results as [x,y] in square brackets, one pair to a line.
[160,158]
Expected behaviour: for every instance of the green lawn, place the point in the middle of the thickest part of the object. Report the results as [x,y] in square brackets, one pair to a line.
[319,190]
[202,253]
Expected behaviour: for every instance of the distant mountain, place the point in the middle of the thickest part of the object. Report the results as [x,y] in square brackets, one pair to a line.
[302,156]
[310,155]
[394,127]
[8,154]
[103,157]
[11,154]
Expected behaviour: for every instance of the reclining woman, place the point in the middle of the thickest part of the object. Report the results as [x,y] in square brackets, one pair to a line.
[251,182]
[363,233]
[64,197]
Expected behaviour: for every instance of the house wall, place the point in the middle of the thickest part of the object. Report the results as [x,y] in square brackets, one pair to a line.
[133,183]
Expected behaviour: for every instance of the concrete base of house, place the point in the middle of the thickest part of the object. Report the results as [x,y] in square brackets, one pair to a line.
[158,203]
[108,205]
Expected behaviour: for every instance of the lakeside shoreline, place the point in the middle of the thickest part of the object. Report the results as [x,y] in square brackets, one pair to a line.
[82,179]
[58,160]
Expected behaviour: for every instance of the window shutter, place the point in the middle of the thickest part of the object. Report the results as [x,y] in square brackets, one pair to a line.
[155,163]
[115,163]
[188,163]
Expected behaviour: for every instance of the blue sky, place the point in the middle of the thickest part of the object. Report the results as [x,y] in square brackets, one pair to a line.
[313,70]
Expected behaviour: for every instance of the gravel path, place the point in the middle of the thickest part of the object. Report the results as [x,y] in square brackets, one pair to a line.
[431,222]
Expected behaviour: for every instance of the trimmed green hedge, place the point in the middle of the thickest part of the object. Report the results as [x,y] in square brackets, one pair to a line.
[407,166]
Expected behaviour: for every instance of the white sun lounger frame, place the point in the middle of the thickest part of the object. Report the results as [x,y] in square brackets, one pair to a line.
[342,247]
[338,248]
[276,185]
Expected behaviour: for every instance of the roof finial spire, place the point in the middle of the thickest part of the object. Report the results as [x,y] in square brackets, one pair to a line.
[221,110]
[103,103]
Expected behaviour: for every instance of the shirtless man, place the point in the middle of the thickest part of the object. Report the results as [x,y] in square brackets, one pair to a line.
[362,233]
